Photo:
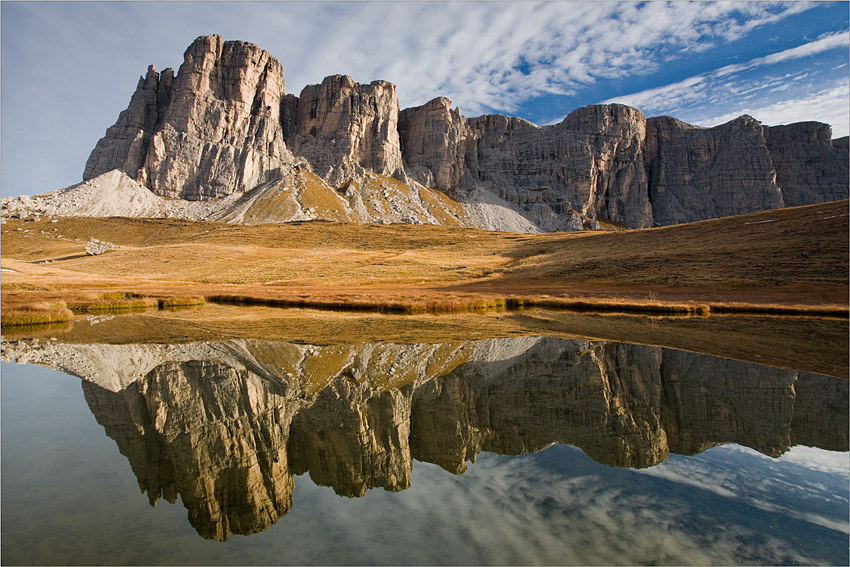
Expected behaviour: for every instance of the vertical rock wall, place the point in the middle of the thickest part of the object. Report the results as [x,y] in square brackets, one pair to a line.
[126,143]
[214,129]
[703,173]
[809,167]
[343,127]
[224,124]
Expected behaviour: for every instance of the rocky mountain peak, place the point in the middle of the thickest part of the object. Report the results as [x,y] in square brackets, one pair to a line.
[213,129]
[224,124]
[601,118]
[343,128]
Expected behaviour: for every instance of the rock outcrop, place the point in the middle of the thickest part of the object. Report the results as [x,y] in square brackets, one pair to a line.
[344,128]
[126,143]
[703,173]
[590,165]
[226,426]
[435,141]
[212,130]
[809,165]
[224,125]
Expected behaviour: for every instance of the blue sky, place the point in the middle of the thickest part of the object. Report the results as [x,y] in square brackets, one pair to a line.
[69,68]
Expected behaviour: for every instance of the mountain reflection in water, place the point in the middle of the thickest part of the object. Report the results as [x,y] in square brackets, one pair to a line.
[227,426]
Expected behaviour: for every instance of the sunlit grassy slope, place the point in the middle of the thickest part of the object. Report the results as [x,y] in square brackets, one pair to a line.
[781,257]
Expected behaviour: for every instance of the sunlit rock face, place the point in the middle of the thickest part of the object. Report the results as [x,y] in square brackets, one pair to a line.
[126,143]
[212,130]
[344,128]
[227,430]
[591,163]
[224,124]
[436,141]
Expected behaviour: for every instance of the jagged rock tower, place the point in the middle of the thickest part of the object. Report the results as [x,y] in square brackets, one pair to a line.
[225,125]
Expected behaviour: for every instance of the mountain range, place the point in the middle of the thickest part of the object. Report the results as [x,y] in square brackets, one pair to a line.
[222,140]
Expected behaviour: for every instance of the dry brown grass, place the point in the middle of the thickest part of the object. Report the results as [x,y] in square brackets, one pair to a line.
[40,313]
[796,263]
[798,249]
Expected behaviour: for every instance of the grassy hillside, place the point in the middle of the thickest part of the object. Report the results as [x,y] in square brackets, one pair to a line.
[795,256]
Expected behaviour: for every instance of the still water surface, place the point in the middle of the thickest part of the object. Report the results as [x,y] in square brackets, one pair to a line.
[509,451]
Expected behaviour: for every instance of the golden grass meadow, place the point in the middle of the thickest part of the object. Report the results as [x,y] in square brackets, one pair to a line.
[781,262]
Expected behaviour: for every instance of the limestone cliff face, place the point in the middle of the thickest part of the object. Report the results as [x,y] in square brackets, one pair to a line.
[435,141]
[343,127]
[215,128]
[224,124]
[591,163]
[702,173]
[810,168]
[228,430]
[126,143]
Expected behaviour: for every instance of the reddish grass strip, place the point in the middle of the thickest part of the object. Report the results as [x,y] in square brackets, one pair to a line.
[580,305]
[455,306]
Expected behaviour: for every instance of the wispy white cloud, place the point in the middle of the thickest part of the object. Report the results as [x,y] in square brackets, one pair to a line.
[495,56]
[715,97]
[694,87]
[486,57]
[785,485]
[828,105]
[829,41]
[519,510]
[832,462]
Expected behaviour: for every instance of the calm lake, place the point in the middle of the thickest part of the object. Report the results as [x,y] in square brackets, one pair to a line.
[526,450]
